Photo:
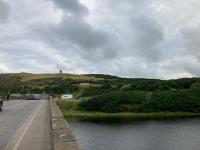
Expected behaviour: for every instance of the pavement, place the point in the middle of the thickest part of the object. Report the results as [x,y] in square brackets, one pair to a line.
[25,125]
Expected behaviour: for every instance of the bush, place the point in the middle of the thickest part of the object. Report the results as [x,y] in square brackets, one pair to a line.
[114,101]
[173,101]
[94,91]
[60,89]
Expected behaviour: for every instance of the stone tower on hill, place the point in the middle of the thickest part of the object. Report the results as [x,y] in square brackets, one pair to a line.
[60,72]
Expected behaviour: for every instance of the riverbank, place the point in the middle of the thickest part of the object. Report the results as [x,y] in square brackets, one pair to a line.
[124,117]
[71,112]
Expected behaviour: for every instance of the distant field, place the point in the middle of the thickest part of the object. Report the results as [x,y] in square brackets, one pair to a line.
[29,76]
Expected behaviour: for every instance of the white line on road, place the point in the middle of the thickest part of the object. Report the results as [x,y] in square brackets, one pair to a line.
[14,145]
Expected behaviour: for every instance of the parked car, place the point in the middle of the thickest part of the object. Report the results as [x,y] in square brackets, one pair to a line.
[1,104]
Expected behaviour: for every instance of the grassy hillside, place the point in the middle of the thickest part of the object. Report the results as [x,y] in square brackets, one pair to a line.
[99,83]
[106,93]
[37,83]
[29,76]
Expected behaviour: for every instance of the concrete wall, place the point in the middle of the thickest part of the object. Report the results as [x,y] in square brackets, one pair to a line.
[62,136]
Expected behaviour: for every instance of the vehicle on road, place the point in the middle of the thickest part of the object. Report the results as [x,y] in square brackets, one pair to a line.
[33,97]
[1,104]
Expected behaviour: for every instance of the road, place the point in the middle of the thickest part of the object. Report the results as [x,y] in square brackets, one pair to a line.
[25,125]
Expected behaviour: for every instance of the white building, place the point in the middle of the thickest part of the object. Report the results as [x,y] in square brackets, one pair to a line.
[67,97]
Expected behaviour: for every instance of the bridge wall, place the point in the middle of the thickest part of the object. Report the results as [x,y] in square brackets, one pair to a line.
[62,136]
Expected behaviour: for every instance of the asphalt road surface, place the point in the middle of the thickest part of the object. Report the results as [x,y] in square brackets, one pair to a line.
[25,125]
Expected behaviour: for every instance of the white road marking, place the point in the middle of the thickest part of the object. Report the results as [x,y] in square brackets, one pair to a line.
[14,145]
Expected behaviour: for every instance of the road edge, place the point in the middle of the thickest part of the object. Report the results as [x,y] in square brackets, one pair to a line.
[51,128]
[62,137]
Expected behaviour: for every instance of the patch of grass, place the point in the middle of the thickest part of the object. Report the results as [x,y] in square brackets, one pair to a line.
[68,105]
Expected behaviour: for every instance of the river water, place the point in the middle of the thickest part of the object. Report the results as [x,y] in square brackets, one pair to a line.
[180,134]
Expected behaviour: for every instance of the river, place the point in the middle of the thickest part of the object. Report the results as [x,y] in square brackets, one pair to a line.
[180,134]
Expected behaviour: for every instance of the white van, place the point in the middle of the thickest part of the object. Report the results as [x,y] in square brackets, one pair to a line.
[66,97]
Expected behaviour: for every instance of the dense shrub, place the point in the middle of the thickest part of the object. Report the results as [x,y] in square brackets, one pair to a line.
[60,89]
[173,101]
[94,91]
[106,86]
[181,100]
[114,101]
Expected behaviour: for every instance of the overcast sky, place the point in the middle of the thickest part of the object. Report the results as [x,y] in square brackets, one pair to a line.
[130,38]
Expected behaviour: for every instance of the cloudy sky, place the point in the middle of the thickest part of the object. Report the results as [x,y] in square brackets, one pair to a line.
[130,38]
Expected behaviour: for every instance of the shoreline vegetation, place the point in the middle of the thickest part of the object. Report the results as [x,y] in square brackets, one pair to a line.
[71,112]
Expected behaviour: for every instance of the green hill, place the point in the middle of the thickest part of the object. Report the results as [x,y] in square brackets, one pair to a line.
[62,83]
[109,93]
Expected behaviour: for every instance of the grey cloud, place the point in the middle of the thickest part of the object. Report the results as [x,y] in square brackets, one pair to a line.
[180,66]
[75,35]
[4,11]
[76,29]
[191,39]
[192,68]
[72,6]
[81,33]
[24,58]
[132,38]
[148,34]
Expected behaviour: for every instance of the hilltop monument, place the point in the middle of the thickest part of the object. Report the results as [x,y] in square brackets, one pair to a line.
[60,72]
